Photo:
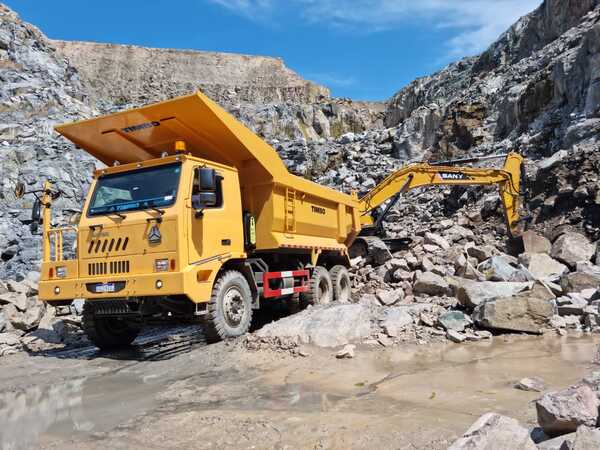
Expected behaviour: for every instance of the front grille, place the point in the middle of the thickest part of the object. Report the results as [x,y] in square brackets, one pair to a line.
[108,268]
[107,245]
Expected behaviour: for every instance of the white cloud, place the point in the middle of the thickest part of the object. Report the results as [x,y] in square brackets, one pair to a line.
[474,23]
[254,9]
[332,79]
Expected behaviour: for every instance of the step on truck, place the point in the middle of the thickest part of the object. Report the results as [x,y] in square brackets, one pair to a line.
[195,216]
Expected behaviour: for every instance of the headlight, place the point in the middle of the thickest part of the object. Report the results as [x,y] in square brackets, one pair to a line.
[161,265]
[61,272]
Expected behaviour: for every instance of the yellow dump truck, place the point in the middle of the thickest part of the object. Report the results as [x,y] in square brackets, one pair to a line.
[196,216]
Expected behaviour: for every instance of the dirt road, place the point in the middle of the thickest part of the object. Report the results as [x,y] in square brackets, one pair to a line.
[173,391]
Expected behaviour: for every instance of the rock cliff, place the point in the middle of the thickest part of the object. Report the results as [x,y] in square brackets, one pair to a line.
[127,74]
[535,89]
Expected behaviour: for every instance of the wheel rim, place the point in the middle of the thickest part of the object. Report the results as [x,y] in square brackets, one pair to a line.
[344,289]
[324,291]
[233,306]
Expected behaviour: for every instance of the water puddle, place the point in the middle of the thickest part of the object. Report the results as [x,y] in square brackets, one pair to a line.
[78,407]
[435,390]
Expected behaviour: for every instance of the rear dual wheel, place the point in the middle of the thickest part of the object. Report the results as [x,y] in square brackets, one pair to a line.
[326,286]
[340,278]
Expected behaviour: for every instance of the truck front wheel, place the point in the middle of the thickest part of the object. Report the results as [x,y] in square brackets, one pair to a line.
[108,333]
[229,311]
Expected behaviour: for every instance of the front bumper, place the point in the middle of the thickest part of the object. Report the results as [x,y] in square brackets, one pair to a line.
[139,285]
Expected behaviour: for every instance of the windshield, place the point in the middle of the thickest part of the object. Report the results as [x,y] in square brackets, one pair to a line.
[151,187]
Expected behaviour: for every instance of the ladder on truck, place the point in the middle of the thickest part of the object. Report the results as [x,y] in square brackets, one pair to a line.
[290,210]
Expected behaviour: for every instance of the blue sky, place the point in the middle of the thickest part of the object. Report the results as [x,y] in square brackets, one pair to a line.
[363,49]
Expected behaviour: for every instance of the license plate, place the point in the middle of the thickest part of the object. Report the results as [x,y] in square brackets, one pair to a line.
[105,287]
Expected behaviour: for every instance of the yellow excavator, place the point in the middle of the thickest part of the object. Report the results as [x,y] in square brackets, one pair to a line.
[509,179]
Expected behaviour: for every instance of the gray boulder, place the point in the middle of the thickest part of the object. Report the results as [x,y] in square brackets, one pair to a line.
[389,296]
[471,293]
[564,442]
[19,299]
[579,281]
[572,247]
[527,312]
[436,239]
[454,320]
[542,266]
[431,284]
[378,253]
[569,306]
[481,253]
[534,243]
[533,384]
[563,411]
[324,326]
[455,336]
[495,432]
[25,320]
[497,268]
[586,438]
[394,320]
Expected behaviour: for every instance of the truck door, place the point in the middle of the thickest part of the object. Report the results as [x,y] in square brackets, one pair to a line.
[216,228]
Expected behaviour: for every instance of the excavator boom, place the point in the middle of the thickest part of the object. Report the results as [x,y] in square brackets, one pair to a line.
[417,175]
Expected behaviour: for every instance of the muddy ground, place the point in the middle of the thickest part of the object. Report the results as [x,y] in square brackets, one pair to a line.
[171,390]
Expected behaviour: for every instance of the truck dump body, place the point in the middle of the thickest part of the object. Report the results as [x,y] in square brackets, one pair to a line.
[290,211]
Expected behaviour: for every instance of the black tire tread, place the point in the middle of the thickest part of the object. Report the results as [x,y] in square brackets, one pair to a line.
[335,275]
[310,297]
[214,323]
[99,336]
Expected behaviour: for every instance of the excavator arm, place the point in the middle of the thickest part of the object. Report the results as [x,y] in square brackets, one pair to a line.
[417,175]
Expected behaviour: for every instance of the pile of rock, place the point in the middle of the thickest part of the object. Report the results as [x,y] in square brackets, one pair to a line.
[568,420]
[446,286]
[26,323]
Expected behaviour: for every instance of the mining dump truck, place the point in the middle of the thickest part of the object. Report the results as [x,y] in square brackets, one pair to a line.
[195,216]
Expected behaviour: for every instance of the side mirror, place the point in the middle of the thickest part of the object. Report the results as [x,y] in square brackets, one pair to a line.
[207,178]
[20,189]
[36,214]
[204,200]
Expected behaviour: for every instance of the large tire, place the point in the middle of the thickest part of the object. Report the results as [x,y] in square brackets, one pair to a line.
[340,279]
[108,333]
[229,312]
[320,288]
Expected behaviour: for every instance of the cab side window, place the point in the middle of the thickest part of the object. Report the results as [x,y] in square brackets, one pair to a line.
[207,190]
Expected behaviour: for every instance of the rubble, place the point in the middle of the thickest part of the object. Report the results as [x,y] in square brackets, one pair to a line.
[534,384]
[533,243]
[563,411]
[542,266]
[528,311]
[571,248]
[347,352]
[431,284]
[323,326]
[492,432]
[472,293]
[454,320]
[586,438]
